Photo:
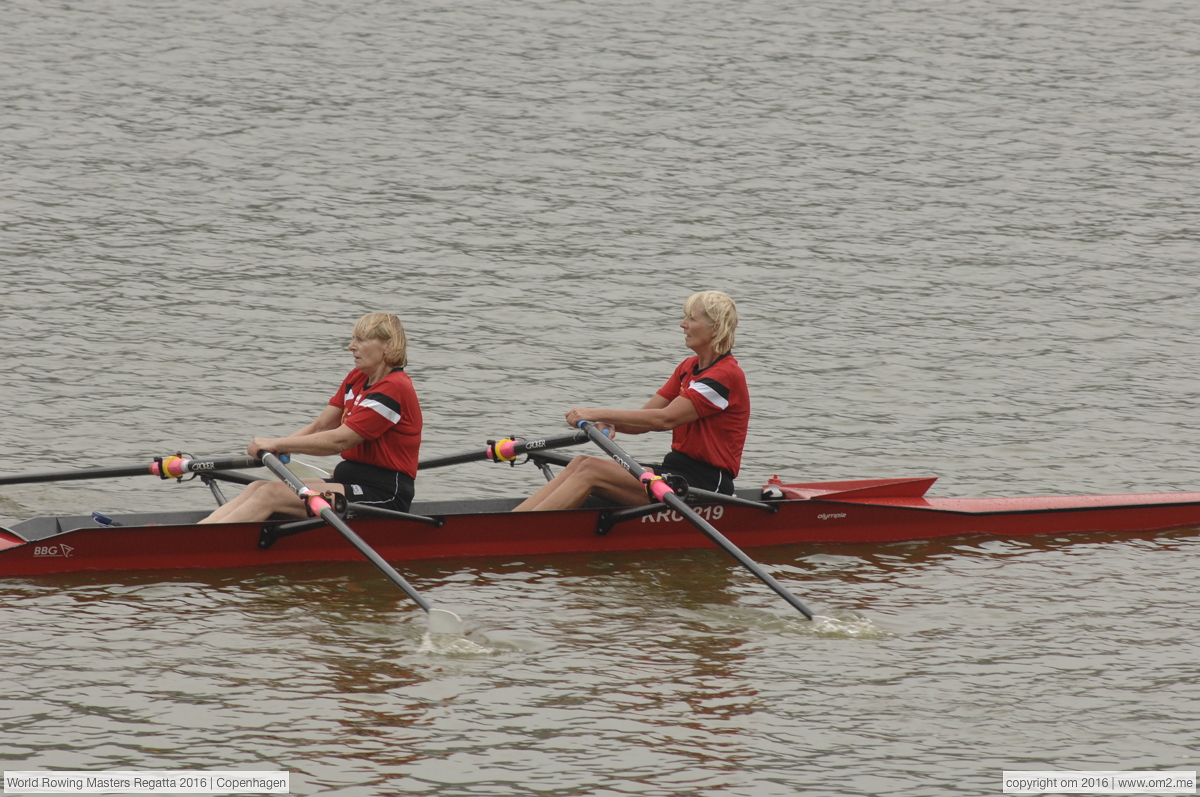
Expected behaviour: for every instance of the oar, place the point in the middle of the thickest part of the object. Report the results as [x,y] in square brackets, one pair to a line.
[171,467]
[663,493]
[441,621]
[505,450]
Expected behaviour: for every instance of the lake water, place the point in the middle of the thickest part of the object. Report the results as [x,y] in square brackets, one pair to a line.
[962,239]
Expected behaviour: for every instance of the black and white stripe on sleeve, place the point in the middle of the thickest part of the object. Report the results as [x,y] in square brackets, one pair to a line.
[716,393]
[383,404]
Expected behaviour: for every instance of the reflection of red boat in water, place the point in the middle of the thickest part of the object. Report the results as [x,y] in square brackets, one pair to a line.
[865,511]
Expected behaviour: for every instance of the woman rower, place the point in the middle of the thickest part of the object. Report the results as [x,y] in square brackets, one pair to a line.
[705,402]
[373,421]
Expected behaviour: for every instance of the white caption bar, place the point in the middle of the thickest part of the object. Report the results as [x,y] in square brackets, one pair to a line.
[151,782]
[1103,782]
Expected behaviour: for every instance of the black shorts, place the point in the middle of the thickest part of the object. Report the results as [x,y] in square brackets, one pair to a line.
[698,474]
[369,484]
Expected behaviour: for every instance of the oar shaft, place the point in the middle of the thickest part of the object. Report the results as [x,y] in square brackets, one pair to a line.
[175,466]
[672,500]
[322,508]
[675,502]
[506,450]
[613,450]
[330,517]
[77,475]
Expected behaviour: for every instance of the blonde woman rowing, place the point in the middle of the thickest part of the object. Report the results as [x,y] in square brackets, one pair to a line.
[373,421]
[705,404]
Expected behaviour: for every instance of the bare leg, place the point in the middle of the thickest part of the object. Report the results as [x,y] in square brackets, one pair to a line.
[583,477]
[546,489]
[261,499]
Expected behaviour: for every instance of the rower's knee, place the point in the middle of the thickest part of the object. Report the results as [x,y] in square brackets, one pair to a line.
[269,493]
[585,467]
[599,473]
[578,462]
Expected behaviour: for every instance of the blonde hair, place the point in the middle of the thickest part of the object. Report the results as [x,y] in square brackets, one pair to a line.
[721,311]
[385,327]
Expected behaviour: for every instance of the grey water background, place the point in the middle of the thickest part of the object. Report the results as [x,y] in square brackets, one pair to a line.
[962,239]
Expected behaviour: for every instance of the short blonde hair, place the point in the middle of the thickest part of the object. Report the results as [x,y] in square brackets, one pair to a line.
[385,327]
[721,311]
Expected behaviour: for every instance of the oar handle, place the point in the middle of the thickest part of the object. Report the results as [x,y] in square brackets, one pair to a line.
[663,492]
[319,506]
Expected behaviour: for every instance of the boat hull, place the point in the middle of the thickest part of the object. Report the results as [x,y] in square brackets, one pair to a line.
[486,528]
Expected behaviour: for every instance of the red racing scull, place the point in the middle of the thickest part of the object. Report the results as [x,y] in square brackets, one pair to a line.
[863,511]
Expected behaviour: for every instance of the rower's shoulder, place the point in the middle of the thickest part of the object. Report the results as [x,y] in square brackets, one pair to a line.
[725,364]
[688,363]
[728,372]
[399,384]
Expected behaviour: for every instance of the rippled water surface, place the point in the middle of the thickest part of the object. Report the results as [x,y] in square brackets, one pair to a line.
[962,238]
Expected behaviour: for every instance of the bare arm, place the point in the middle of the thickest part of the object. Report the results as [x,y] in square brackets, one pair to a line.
[657,415]
[324,436]
[330,418]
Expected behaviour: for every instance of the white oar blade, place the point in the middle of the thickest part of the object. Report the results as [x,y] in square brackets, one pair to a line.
[442,621]
[307,471]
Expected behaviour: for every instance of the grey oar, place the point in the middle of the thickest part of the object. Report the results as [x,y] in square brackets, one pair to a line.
[172,467]
[665,494]
[166,467]
[505,450]
[441,621]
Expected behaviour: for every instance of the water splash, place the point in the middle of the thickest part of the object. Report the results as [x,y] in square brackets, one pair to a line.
[845,625]
[451,645]
[850,627]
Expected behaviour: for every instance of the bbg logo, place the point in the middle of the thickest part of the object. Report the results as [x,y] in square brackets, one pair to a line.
[53,550]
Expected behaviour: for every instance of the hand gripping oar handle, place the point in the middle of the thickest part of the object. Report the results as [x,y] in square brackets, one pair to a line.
[440,620]
[170,467]
[505,450]
[665,494]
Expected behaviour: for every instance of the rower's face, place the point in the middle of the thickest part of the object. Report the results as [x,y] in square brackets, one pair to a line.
[368,353]
[698,330]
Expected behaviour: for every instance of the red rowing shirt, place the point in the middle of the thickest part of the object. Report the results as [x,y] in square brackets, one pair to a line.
[386,415]
[722,401]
